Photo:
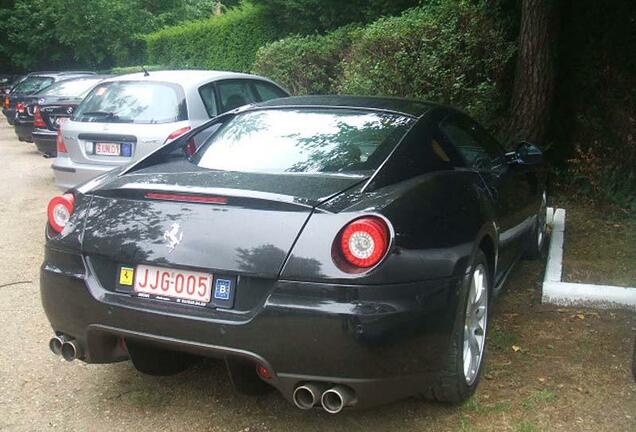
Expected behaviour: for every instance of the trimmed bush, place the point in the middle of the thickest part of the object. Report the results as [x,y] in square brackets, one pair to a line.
[227,42]
[306,64]
[308,16]
[456,53]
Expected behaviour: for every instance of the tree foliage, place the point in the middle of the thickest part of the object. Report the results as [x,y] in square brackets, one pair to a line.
[307,16]
[39,34]
[307,64]
[458,53]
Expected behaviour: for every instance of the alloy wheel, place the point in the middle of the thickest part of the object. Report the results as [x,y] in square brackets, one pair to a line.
[475,324]
[542,228]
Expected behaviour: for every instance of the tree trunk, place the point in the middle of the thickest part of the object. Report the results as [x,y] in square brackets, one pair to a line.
[536,71]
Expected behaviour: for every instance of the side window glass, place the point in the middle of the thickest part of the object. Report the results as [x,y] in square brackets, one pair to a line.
[235,94]
[492,147]
[268,91]
[209,99]
[464,136]
[420,153]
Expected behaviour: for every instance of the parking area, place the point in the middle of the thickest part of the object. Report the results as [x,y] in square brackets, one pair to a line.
[546,369]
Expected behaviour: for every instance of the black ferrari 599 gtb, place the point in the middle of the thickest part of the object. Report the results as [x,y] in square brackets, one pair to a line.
[345,250]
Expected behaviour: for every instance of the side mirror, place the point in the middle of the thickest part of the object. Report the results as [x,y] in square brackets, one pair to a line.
[526,154]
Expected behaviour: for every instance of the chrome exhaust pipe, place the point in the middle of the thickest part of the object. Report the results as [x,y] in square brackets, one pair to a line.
[337,398]
[56,342]
[308,395]
[70,350]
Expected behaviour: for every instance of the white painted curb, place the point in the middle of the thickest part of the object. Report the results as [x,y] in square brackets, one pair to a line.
[574,294]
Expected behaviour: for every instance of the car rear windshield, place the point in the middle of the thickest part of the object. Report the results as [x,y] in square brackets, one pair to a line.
[33,84]
[70,88]
[133,102]
[343,141]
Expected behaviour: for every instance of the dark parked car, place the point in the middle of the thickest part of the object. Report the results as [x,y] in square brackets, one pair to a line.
[344,250]
[33,83]
[43,112]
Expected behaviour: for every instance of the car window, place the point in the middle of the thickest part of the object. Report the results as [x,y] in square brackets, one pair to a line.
[209,99]
[235,94]
[421,152]
[33,84]
[146,102]
[304,141]
[477,148]
[69,88]
[268,91]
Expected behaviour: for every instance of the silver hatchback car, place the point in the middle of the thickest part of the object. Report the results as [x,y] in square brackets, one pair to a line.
[124,118]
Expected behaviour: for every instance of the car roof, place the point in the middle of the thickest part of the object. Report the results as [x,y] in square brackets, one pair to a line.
[410,107]
[185,78]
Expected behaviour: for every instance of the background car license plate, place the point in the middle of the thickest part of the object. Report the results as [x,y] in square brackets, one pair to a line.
[171,284]
[107,149]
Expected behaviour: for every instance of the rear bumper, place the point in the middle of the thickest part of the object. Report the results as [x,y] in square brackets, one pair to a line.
[69,174]
[23,130]
[385,342]
[45,141]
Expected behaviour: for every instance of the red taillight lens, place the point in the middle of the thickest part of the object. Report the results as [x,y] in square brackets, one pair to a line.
[191,147]
[176,134]
[7,102]
[365,241]
[263,372]
[38,120]
[59,141]
[20,107]
[60,210]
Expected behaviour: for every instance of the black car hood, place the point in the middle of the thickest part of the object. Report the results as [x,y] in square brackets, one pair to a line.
[251,233]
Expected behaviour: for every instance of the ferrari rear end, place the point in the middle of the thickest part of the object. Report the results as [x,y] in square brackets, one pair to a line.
[259,264]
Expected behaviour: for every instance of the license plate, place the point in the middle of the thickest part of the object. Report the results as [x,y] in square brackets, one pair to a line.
[181,286]
[107,149]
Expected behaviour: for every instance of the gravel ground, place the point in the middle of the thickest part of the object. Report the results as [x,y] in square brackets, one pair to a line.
[547,368]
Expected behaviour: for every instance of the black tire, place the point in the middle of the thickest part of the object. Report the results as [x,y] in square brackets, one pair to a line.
[452,386]
[537,240]
[151,360]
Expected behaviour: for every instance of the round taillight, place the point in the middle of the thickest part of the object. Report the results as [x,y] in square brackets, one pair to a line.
[365,241]
[60,210]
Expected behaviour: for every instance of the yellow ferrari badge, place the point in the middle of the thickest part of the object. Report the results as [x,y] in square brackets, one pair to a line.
[126,276]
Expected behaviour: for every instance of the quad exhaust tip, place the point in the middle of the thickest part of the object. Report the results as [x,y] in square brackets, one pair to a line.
[56,343]
[337,398]
[308,395]
[70,351]
[333,400]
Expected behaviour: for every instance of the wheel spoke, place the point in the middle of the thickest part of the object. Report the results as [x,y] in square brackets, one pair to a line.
[475,351]
[480,312]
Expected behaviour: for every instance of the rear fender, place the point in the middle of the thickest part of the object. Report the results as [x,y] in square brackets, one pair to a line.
[436,219]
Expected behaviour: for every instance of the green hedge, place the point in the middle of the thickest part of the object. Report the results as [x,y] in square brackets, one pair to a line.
[306,64]
[227,42]
[454,52]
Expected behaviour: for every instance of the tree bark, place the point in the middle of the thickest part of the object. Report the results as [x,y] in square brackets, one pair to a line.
[536,71]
